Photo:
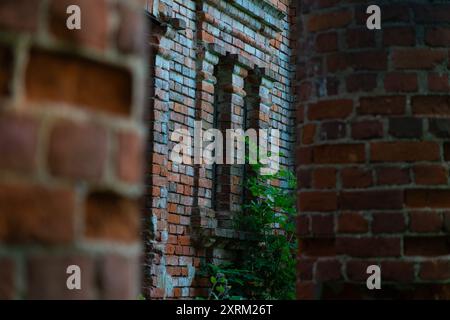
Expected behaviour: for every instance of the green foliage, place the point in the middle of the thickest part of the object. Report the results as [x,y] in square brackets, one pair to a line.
[266,269]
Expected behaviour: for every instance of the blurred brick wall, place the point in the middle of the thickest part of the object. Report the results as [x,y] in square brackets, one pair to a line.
[373,122]
[71,146]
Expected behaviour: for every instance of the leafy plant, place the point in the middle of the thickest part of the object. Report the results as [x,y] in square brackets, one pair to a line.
[265,270]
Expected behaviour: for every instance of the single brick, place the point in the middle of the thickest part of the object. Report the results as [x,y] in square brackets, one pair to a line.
[77,151]
[18,143]
[123,287]
[33,214]
[47,277]
[329,20]
[434,106]
[426,246]
[440,127]
[94,28]
[407,151]
[430,174]
[332,130]
[398,271]
[425,222]
[330,109]
[417,58]
[361,82]
[369,129]
[392,176]
[427,198]
[376,199]
[388,222]
[317,201]
[111,217]
[339,153]
[435,270]
[350,222]
[327,42]
[19,15]
[369,246]
[388,105]
[324,178]
[401,82]
[356,178]
[66,78]
[130,157]
[322,225]
[328,270]
[405,127]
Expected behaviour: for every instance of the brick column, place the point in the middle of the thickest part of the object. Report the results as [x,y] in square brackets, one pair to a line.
[372,155]
[71,146]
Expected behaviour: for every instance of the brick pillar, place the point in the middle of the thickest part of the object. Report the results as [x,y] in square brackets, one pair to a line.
[372,157]
[71,146]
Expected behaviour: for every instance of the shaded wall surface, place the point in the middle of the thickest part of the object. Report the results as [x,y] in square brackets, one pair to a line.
[71,145]
[373,151]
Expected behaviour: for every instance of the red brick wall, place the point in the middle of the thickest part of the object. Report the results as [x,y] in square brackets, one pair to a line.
[71,146]
[222,43]
[372,156]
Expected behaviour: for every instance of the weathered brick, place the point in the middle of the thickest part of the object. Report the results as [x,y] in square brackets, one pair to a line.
[377,199]
[435,270]
[115,287]
[400,82]
[111,217]
[324,21]
[324,178]
[18,143]
[330,109]
[361,82]
[66,78]
[77,151]
[430,174]
[404,151]
[130,157]
[431,105]
[332,130]
[350,222]
[417,58]
[19,15]
[33,214]
[328,270]
[423,198]
[388,105]
[94,28]
[356,178]
[369,246]
[388,222]
[426,246]
[322,225]
[340,153]
[392,176]
[47,277]
[405,127]
[368,129]
[317,201]
[425,222]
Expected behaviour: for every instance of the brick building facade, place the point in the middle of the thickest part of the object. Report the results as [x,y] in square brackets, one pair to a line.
[86,176]
[229,65]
